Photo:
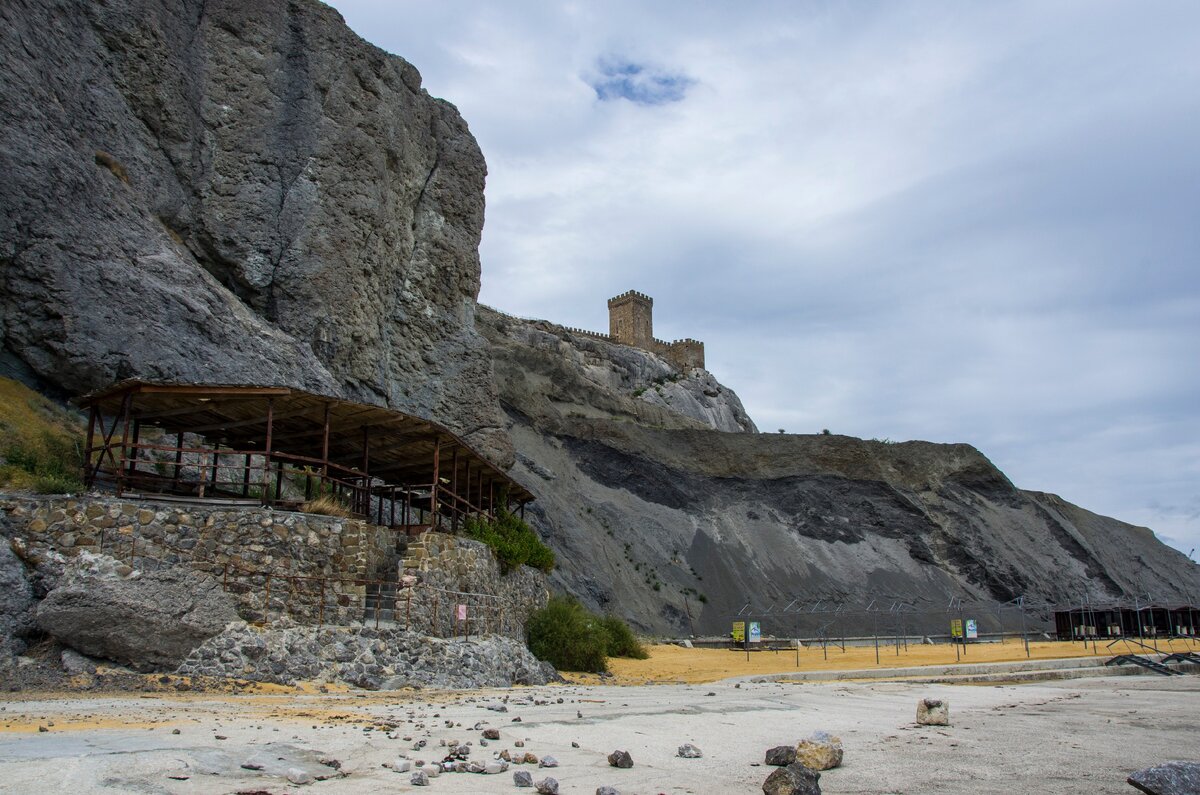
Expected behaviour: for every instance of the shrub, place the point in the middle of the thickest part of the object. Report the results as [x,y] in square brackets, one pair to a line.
[513,541]
[621,641]
[569,637]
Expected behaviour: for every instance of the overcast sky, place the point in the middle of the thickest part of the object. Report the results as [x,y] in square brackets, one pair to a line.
[959,222]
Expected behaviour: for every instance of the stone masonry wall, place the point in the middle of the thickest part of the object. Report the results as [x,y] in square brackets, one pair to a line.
[457,571]
[310,568]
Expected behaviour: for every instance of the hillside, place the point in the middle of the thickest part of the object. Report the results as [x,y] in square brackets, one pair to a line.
[649,511]
[250,193]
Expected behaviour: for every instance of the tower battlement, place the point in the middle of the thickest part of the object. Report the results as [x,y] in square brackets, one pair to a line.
[631,322]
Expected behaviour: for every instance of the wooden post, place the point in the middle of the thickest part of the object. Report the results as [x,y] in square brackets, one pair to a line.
[454,509]
[325,452]
[266,478]
[126,407]
[435,520]
[245,477]
[216,465]
[178,459]
[366,475]
[133,445]
[87,451]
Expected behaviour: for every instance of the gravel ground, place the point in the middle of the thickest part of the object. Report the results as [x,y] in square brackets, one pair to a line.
[1077,736]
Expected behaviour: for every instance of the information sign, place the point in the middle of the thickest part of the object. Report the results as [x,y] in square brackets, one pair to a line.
[755,632]
[739,631]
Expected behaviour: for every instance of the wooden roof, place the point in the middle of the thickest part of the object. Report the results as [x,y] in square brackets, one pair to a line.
[400,446]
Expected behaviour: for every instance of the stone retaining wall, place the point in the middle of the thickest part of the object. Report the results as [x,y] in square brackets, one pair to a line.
[310,568]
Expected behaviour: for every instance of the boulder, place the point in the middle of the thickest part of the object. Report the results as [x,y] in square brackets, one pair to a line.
[547,786]
[1169,778]
[933,712]
[689,751]
[780,755]
[620,759]
[821,751]
[149,621]
[795,779]
[419,779]
[522,779]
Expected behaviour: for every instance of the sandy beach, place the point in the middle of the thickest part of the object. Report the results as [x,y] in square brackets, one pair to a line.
[1074,736]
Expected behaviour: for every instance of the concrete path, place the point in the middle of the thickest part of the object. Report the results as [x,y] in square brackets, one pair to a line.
[1077,736]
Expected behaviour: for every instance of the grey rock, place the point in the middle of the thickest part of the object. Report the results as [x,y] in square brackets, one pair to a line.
[547,786]
[75,663]
[491,734]
[933,712]
[17,603]
[795,779]
[521,778]
[547,761]
[495,766]
[607,791]
[151,622]
[1168,778]
[689,751]
[300,776]
[620,759]
[299,211]
[781,755]
[419,779]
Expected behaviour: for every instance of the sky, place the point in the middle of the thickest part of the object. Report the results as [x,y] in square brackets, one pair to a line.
[948,221]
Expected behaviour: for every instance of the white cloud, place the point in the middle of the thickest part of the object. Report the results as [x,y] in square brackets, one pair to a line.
[958,222]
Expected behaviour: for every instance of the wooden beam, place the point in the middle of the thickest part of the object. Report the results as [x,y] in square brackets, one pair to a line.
[227,425]
[194,389]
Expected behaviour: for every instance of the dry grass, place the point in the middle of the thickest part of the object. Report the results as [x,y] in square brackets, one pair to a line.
[326,506]
[670,664]
[41,443]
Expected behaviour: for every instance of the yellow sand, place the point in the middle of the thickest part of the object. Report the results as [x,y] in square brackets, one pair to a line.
[675,664]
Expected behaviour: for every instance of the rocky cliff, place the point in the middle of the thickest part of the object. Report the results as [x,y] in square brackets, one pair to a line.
[660,513]
[223,191]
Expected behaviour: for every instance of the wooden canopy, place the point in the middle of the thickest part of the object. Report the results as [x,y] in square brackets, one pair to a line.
[375,448]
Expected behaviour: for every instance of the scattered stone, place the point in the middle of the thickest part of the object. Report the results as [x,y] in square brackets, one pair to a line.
[419,779]
[42,729]
[433,771]
[795,779]
[402,765]
[252,766]
[781,755]
[547,786]
[491,734]
[574,744]
[547,760]
[620,759]
[1169,778]
[519,744]
[75,663]
[689,751]
[607,791]
[299,776]
[933,712]
[531,759]
[175,731]
[497,707]
[495,766]
[522,778]
[821,751]
[475,767]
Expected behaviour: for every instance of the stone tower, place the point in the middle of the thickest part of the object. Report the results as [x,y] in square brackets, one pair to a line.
[630,319]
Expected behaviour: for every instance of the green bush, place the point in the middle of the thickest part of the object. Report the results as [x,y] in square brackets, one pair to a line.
[48,462]
[621,640]
[513,541]
[569,637]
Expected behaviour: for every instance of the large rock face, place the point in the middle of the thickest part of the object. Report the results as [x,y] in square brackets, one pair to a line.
[220,191]
[649,509]
[149,620]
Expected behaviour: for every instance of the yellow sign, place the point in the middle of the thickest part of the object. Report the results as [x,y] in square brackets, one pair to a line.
[739,631]
[956,628]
